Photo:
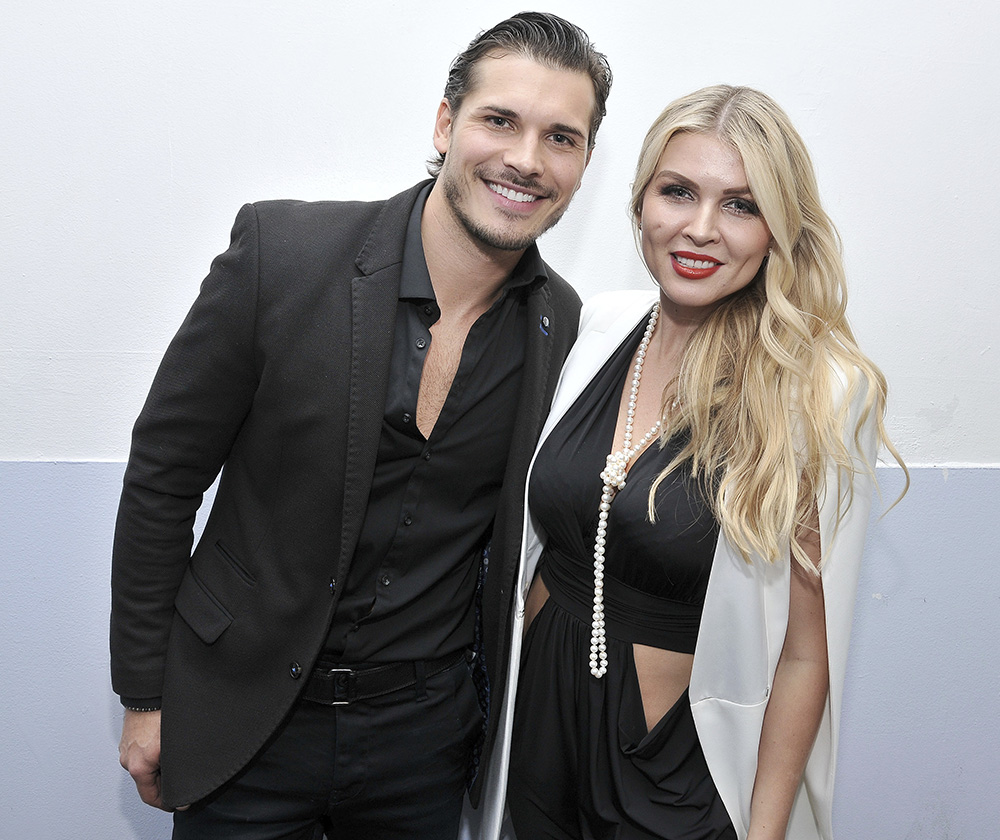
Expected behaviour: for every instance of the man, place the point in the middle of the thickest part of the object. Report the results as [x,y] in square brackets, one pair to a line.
[371,379]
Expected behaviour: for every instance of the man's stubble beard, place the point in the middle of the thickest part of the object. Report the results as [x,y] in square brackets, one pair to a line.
[488,236]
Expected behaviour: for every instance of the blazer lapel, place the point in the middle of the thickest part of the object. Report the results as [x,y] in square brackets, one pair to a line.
[374,297]
[531,410]
[537,367]
[599,337]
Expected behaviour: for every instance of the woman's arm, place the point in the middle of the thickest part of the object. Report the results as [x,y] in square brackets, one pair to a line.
[798,697]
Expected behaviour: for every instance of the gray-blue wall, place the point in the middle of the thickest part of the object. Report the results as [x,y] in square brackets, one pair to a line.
[918,759]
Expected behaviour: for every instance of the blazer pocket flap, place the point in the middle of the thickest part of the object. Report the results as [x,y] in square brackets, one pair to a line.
[202,611]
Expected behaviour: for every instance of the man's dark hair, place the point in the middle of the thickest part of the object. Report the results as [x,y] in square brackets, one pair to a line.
[543,37]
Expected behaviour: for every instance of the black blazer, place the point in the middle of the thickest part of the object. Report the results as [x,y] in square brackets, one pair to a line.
[278,378]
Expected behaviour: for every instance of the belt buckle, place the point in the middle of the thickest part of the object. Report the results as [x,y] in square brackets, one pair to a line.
[341,685]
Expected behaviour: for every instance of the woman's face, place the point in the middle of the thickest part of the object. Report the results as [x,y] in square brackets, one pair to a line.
[703,237]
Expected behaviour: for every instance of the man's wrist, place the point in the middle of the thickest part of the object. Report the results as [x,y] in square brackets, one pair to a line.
[141,704]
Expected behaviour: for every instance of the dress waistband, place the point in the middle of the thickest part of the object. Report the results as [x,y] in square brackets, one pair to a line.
[630,615]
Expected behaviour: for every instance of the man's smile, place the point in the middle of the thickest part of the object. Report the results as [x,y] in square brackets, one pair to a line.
[512,195]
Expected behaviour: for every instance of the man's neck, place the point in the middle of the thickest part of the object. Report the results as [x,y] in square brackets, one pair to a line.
[466,274]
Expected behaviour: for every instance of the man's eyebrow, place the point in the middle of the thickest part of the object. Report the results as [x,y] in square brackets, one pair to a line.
[561,128]
[496,109]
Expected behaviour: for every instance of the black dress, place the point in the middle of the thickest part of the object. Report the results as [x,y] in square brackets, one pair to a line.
[582,763]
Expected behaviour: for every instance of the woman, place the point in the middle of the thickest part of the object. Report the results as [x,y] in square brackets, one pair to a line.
[697,509]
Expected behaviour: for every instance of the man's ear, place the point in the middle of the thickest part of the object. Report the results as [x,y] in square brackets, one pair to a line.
[442,127]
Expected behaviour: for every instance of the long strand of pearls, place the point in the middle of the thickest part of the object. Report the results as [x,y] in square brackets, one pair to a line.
[613,476]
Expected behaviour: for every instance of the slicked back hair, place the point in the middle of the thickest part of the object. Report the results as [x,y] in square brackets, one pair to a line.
[543,37]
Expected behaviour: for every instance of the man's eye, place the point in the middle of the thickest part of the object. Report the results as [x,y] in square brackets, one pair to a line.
[499,122]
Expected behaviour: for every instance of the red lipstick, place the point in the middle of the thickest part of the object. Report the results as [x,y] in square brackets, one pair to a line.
[689,271]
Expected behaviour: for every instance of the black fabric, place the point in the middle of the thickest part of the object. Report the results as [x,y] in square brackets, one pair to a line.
[280,373]
[333,684]
[656,574]
[409,593]
[391,768]
[583,766]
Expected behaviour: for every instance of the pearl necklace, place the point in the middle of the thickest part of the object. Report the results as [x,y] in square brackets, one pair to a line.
[613,476]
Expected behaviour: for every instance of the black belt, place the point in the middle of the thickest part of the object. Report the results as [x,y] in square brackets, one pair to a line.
[339,685]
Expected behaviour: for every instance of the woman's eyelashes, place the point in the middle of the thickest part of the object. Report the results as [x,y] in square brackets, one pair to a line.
[740,206]
[675,191]
[744,206]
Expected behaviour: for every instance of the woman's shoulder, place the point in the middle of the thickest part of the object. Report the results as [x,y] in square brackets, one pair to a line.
[848,381]
[854,402]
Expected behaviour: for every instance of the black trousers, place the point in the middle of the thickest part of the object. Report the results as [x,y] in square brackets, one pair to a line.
[388,768]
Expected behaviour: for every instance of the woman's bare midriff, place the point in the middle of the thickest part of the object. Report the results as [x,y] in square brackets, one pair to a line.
[663,674]
[537,596]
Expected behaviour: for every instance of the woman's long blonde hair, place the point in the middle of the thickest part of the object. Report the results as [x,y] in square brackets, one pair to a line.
[756,388]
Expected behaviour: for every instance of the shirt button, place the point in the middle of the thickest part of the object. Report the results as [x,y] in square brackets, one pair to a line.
[421,343]
[406,418]
[407,520]
[428,310]
[384,580]
[333,585]
[295,670]
[427,455]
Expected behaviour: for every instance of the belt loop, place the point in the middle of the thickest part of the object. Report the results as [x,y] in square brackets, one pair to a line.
[420,675]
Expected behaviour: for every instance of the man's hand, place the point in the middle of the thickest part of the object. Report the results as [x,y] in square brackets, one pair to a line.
[139,753]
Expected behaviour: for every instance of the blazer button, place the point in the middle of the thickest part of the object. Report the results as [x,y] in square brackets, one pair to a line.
[295,670]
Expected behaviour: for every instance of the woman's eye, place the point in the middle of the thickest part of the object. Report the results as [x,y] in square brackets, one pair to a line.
[674,191]
[745,207]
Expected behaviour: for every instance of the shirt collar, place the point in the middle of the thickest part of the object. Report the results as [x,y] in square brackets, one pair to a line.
[415,283]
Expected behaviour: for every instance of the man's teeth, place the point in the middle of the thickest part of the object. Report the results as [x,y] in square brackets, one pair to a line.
[513,195]
[689,263]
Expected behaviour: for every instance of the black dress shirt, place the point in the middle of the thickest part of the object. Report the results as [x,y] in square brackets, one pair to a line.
[411,585]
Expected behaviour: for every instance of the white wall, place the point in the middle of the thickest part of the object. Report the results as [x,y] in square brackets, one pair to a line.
[130,134]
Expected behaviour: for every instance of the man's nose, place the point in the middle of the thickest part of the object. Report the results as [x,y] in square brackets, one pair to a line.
[525,155]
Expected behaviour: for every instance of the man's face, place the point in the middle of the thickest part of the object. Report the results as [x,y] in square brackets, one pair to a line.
[516,150]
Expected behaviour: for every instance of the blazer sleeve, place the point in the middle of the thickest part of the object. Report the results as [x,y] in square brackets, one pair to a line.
[743,627]
[200,396]
[845,508]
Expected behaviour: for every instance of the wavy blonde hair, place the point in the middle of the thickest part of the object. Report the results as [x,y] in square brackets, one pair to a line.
[757,388]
